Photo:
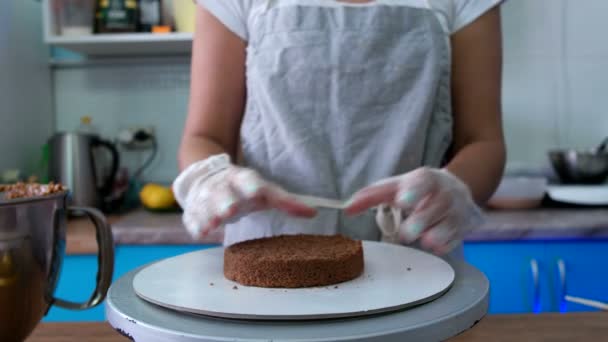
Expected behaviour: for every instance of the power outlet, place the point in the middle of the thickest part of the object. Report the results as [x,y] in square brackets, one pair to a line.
[137,138]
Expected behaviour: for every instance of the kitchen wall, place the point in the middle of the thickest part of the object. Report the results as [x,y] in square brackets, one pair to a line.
[26,116]
[555,71]
[125,95]
[555,75]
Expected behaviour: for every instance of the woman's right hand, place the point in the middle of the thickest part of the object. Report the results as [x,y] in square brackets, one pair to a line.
[213,192]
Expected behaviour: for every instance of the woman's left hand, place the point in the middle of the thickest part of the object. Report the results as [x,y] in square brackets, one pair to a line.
[438,206]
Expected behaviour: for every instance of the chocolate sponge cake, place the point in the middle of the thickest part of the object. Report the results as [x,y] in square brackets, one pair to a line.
[293,261]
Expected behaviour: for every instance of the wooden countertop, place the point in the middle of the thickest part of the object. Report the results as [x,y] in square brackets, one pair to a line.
[136,228]
[544,327]
[141,227]
[80,235]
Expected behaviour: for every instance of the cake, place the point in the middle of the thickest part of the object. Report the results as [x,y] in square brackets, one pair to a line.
[294,261]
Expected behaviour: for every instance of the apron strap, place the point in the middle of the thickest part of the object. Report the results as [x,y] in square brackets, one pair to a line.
[389,220]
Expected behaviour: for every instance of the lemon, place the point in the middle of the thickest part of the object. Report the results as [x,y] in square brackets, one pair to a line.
[155,196]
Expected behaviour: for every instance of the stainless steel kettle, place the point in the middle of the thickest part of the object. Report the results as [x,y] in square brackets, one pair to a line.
[72,162]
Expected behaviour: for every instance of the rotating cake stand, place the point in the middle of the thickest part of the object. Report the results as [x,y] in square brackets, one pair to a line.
[392,279]
[461,307]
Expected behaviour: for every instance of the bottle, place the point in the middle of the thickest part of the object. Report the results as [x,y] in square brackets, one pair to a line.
[86,126]
[149,15]
[116,16]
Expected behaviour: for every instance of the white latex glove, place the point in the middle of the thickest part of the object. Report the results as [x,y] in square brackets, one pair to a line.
[430,205]
[213,192]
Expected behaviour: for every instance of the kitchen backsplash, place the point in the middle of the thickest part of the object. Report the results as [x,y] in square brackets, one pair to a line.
[555,73]
[123,96]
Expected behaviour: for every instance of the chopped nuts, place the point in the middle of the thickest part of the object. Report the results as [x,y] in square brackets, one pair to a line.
[26,190]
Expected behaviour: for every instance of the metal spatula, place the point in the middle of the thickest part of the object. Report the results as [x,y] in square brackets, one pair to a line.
[588,302]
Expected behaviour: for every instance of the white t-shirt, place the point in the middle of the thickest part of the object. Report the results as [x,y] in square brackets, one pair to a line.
[452,14]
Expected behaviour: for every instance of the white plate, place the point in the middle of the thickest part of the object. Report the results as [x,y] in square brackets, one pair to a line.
[184,283]
[579,194]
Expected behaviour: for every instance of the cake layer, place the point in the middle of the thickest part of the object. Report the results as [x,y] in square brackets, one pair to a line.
[293,261]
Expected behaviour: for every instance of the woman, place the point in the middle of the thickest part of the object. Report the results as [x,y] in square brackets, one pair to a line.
[392,104]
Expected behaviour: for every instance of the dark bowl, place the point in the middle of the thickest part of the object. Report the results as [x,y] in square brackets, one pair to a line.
[580,167]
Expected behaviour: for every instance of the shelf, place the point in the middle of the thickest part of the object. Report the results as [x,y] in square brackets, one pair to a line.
[125,44]
[115,45]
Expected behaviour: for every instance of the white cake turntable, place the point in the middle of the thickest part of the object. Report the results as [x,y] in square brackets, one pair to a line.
[404,294]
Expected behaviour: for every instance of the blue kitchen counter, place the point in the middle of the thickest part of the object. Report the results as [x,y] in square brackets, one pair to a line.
[532,258]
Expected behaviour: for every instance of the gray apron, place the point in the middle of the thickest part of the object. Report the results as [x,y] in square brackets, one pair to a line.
[339,97]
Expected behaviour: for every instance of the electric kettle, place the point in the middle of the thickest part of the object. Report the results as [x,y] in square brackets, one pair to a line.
[73,162]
